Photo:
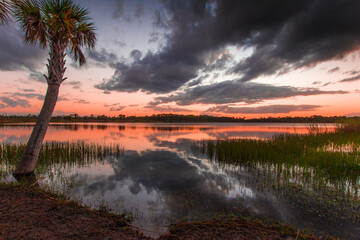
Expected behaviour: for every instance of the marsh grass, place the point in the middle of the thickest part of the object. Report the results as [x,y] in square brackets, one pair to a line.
[56,156]
[327,163]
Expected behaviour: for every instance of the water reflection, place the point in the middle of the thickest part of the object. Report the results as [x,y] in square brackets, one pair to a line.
[161,179]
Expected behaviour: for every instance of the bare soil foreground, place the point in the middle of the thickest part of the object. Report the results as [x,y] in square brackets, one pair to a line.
[32,213]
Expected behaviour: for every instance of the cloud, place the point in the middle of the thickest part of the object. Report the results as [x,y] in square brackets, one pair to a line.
[236,91]
[81,101]
[14,102]
[28,90]
[264,109]
[115,107]
[336,69]
[198,80]
[152,74]
[353,72]
[351,79]
[17,55]
[37,76]
[74,84]
[29,95]
[118,108]
[101,58]
[167,109]
[282,36]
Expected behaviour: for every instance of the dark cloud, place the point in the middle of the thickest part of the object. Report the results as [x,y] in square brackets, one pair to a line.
[100,58]
[29,95]
[336,69]
[118,108]
[264,109]
[136,55]
[154,37]
[218,62]
[15,54]
[152,73]
[351,79]
[282,35]
[237,91]
[198,80]
[37,76]
[14,102]
[316,83]
[115,107]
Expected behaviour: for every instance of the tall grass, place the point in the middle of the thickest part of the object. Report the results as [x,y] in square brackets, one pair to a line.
[318,161]
[57,154]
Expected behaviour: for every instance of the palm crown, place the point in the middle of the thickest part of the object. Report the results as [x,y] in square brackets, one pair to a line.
[51,22]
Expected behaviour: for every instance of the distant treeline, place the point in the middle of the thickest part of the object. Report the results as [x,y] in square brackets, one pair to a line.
[173,118]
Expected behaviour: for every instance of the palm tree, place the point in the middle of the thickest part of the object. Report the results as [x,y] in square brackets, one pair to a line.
[4,11]
[61,25]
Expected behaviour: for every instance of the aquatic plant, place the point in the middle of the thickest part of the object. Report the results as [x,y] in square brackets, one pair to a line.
[325,163]
[56,155]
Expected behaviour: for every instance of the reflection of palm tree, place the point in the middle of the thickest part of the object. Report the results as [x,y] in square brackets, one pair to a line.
[62,25]
[4,11]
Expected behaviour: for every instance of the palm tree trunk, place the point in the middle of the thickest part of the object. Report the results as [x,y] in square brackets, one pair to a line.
[26,164]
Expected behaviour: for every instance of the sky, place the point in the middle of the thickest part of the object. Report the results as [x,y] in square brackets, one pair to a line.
[245,58]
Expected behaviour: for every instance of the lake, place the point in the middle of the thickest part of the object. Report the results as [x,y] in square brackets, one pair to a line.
[160,176]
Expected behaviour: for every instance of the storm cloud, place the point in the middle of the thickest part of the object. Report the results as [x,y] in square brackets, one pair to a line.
[237,91]
[282,35]
[15,54]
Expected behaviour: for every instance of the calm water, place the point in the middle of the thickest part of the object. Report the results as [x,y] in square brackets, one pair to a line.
[160,178]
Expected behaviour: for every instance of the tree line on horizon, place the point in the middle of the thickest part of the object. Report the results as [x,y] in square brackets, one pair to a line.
[168,117]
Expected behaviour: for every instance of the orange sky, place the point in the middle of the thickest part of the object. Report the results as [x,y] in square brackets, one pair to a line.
[121,36]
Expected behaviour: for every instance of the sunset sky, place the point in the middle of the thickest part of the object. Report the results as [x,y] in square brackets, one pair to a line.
[245,58]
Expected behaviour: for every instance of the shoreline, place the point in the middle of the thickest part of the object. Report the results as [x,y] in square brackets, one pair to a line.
[32,213]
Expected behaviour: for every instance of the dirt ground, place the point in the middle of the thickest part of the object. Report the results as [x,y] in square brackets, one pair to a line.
[31,213]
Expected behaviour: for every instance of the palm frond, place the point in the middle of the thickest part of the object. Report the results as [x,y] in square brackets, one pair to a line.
[28,14]
[4,11]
